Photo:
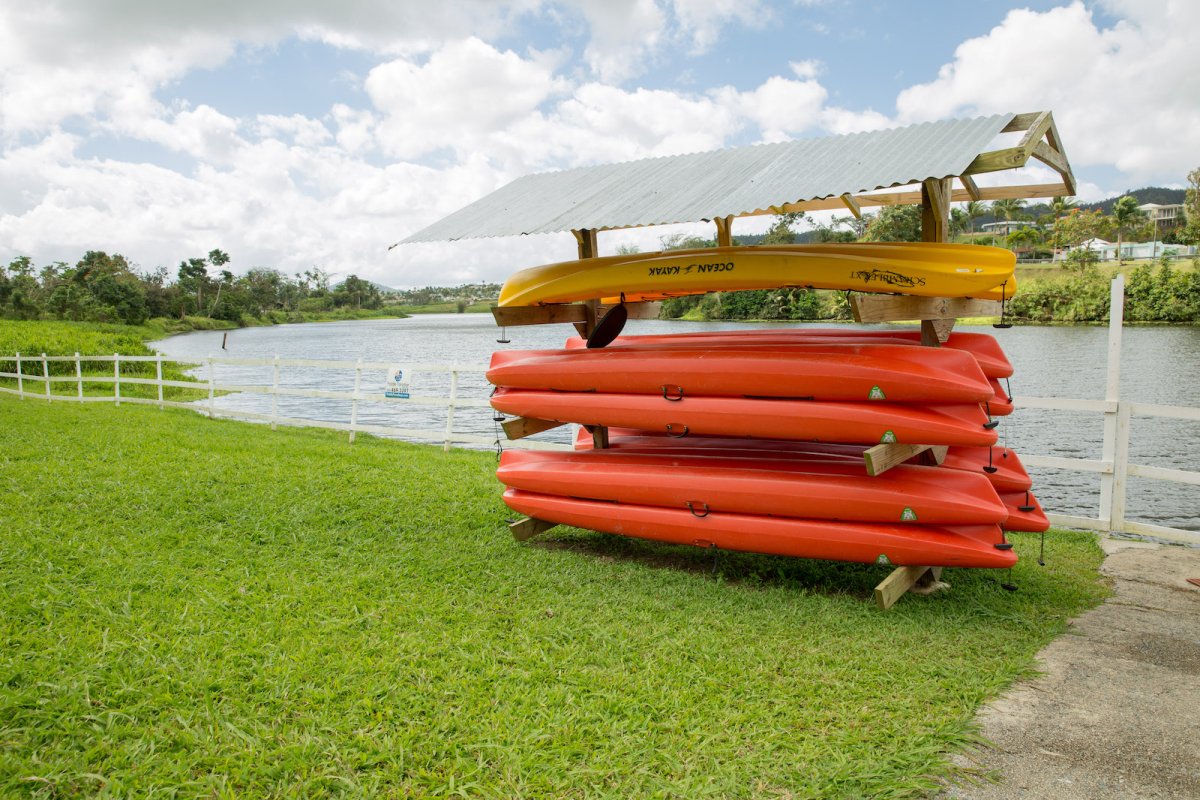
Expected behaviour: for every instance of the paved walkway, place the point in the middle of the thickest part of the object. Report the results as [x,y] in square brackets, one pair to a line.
[1116,713]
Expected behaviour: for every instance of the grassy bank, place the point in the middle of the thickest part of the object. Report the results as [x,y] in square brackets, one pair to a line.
[450,308]
[210,608]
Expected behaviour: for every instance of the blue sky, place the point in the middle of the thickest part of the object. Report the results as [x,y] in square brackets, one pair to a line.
[299,132]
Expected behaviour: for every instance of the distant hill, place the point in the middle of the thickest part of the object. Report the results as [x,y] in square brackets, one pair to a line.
[1151,194]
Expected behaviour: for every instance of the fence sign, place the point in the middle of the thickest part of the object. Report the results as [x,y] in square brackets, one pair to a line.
[397,382]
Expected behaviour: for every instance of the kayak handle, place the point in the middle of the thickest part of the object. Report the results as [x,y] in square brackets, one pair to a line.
[692,508]
[667,396]
[677,435]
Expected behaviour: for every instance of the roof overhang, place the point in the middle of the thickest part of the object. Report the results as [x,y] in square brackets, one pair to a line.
[852,171]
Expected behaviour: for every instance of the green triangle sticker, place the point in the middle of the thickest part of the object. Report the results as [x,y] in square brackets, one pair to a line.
[887,438]
[883,560]
[908,515]
[876,394]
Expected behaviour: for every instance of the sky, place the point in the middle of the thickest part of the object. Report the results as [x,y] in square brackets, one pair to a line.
[302,133]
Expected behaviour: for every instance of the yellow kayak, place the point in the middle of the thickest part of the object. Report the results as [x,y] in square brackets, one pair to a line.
[916,268]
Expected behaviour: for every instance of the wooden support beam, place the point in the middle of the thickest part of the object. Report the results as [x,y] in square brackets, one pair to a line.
[935,332]
[882,457]
[1051,158]
[969,184]
[585,238]
[527,527]
[935,210]
[520,427]
[591,315]
[724,231]
[902,579]
[516,316]
[892,308]
[909,198]
[852,204]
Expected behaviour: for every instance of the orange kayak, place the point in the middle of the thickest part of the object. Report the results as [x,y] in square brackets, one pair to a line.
[1009,475]
[999,404]
[865,542]
[855,423]
[984,347]
[1024,512]
[832,372]
[835,489]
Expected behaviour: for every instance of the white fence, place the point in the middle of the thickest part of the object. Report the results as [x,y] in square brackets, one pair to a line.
[1113,467]
[39,386]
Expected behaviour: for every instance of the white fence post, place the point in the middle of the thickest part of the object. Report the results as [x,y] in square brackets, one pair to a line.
[78,377]
[354,402]
[212,381]
[46,374]
[1116,513]
[275,396]
[1112,393]
[20,379]
[117,378]
[158,379]
[450,410]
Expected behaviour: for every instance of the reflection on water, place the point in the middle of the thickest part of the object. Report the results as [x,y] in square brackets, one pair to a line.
[1160,365]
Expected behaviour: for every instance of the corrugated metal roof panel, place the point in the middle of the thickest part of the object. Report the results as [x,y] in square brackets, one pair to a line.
[733,182]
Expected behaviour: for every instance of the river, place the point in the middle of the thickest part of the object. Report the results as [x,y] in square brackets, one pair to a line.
[1159,365]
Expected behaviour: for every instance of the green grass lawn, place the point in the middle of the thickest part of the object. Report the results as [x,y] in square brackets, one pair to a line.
[450,308]
[206,608]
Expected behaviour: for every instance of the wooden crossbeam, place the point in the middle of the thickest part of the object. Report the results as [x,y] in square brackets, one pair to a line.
[1051,158]
[969,184]
[516,316]
[520,427]
[882,457]
[892,308]
[902,579]
[853,205]
[527,527]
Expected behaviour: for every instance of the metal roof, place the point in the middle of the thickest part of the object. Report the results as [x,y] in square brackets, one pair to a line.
[732,182]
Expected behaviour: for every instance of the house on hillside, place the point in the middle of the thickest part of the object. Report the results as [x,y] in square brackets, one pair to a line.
[1006,226]
[1165,216]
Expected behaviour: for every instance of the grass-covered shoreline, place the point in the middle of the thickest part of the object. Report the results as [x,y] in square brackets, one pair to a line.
[206,607]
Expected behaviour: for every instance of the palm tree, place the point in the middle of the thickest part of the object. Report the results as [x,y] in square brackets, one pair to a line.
[1061,206]
[1007,210]
[974,210]
[1125,212]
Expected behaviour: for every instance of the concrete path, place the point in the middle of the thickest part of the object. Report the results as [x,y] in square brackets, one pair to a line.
[1116,713]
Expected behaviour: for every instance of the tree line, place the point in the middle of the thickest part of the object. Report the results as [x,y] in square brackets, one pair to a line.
[107,288]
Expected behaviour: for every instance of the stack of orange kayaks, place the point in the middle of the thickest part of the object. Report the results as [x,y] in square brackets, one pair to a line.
[754,440]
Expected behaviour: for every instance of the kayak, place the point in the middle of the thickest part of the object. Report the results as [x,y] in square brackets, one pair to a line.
[1024,512]
[924,269]
[765,418]
[822,371]
[882,543]
[817,488]
[983,346]
[1009,474]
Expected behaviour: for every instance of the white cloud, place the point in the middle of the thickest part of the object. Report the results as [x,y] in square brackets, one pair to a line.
[463,91]
[1124,96]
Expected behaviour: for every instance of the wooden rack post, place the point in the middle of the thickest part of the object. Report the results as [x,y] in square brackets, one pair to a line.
[937,316]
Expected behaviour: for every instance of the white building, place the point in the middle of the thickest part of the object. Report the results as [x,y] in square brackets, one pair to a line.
[1159,214]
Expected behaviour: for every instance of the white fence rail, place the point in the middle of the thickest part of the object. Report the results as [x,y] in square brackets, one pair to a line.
[1113,467]
[38,385]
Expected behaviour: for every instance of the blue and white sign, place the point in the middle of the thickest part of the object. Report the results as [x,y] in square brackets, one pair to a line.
[397,383]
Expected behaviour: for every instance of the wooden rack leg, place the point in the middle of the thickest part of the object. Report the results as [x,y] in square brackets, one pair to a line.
[528,527]
[599,437]
[919,580]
